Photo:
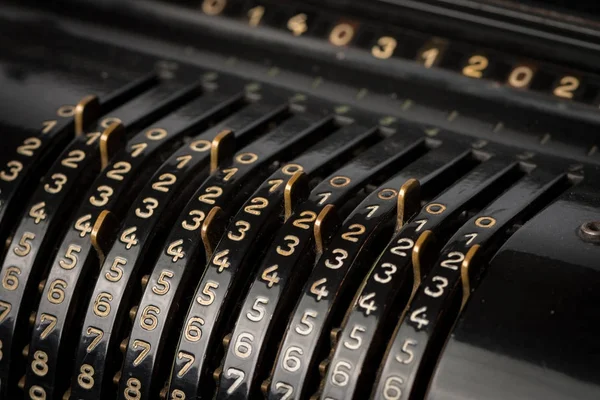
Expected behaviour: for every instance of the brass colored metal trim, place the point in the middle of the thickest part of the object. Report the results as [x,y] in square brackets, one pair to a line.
[222,147]
[295,187]
[209,233]
[88,109]
[104,228]
[320,228]
[418,250]
[409,202]
[111,140]
[464,273]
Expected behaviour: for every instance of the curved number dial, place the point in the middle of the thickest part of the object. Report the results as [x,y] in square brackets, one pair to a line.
[224,190]
[92,226]
[249,230]
[49,205]
[391,281]
[422,330]
[291,257]
[341,265]
[110,296]
[123,261]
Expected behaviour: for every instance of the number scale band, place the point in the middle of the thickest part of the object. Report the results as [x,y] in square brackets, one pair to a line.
[390,280]
[107,193]
[430,315]
[225,189]
[331,280]
[203,323]
[296,246]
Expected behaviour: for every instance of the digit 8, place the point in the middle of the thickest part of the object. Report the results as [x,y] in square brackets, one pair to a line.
[86,377]
[39,365]
[132,391]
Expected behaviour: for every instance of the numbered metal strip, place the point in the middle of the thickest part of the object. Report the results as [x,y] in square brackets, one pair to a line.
[534,291]
[388,44]
[251,229]
[18,171]
[31,244]
[162,196]
[50,204]
[334,275]
[223,191]
[145,150]
[111,191]
[291,257]
[22,171]
[436,304]
[388,284]
[128,251]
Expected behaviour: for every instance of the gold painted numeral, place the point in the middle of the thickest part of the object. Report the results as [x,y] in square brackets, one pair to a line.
[520,76]
[98,335]
[156,133]
[211,193]
[149,317]
[175,250]
[129,238]
[182,161]
[258,203]
[86,377]
[163,285]
[133,391]
[115,272]
[58,182]
[384,48]
[38,212]
[150,204]
[119,170]
[269,275]
[52,320]
[354,231]
[102,304]
[70,259]
[209,292]
[341,34]
[73,158]
[297,24]
[24,244]
[39,365]
[567,87]
[197,218]
[255,14]
[6,309]
[476,66]
[83,225]
[164,181]
[92,137]
[14,167]
[10,281]
[189,361]
[145,346]
[221,260]
[306,218]
[56,291]
[193,331]
[242,227]
[48,125]
[137,149]
[429,57]
[29,146]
